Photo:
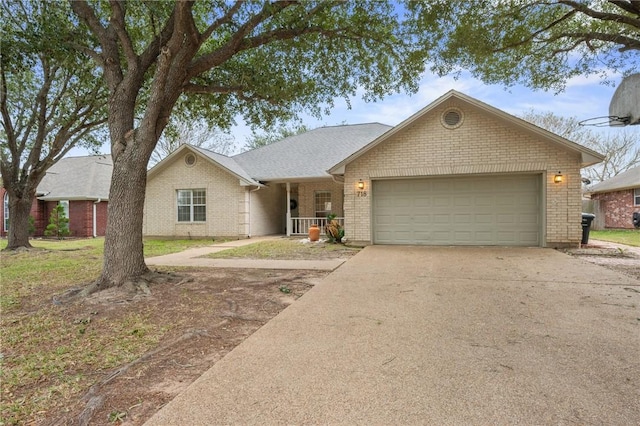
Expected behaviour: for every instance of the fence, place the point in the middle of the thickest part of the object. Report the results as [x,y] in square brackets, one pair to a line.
[595,207]
[300,225]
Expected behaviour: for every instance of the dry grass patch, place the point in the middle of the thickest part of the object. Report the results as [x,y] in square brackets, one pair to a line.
[109,357]
[288,249]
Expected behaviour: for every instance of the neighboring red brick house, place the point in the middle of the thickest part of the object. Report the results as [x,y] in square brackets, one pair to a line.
[81,185]
[618,199]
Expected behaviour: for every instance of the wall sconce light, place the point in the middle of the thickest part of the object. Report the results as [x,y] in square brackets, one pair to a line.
[360,185]
[558,178]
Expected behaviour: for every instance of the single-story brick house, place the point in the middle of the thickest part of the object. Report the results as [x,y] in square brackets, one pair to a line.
[458,172]
[617,199]
[81,185]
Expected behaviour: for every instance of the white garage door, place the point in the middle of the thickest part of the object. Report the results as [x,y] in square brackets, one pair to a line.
[490,210]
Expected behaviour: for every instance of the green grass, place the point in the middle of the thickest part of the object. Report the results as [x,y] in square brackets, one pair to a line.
[60,264]
[53,266]
[45,353]
[286,249]
[152,247]
[161,247]
[630,237]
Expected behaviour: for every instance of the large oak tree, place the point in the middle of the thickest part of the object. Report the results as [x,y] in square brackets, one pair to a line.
[50,101]
[265,61]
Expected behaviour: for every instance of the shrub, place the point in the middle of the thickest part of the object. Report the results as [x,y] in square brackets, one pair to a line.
[32,225]
[58,224]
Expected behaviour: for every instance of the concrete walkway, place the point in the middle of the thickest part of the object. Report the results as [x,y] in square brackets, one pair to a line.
[436,335]
[193,258]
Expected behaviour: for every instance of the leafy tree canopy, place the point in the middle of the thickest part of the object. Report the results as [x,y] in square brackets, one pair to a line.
[258,139]
[264,61]
[540,44]
[50,100]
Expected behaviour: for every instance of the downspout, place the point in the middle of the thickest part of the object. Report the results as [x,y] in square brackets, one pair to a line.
[288,209]
[95,221]
[249,213]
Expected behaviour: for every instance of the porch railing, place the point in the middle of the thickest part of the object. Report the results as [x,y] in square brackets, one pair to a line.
[300,225]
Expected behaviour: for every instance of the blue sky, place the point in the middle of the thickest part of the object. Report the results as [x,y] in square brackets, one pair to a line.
[584,97]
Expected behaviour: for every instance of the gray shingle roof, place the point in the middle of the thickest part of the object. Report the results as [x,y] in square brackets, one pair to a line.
[625,180]
[226,162]
[77,178]
[310,154]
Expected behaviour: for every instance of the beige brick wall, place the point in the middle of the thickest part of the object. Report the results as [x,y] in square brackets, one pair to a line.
[306,197]
[481,144]
[227,201]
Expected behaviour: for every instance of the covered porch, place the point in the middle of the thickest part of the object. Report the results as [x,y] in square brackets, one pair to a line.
[310,202]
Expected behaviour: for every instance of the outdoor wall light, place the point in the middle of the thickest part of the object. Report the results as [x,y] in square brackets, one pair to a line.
[558,178]
[360,185]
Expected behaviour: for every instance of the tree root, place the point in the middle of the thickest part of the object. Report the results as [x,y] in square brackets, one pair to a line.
[127,291]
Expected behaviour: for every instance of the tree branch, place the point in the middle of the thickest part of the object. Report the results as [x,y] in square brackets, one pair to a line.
[627,42]
[85,12]
[7,123]
[239,91]
[148,57]
[221,21]
[532,36]
[232,46]
[201,89]
[53,108]
[629,6]
[89,52]
[118,23]
[41,102]
[108,41]
[604,16]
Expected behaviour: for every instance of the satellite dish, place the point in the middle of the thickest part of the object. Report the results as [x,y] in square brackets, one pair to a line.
[624,109]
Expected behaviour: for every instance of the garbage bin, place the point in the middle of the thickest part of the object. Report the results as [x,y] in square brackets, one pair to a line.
[587,218]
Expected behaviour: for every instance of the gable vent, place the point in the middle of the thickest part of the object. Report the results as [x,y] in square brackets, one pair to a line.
[452,118]
[190,159]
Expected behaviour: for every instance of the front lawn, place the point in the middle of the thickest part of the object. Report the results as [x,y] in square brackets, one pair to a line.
[152,247]
[287,249]
[50,352]
[630,237]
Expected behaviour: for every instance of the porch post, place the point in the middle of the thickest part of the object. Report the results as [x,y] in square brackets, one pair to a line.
[288,209]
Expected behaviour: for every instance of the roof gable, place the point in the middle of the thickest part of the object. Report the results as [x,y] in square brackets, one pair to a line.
[588,157]
[226,163]
[626,180]
[77,178]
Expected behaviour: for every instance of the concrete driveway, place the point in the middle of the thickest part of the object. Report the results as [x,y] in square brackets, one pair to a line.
[424,335]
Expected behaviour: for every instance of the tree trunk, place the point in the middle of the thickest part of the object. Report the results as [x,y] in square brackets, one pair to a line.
[19,209]
[123,247]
